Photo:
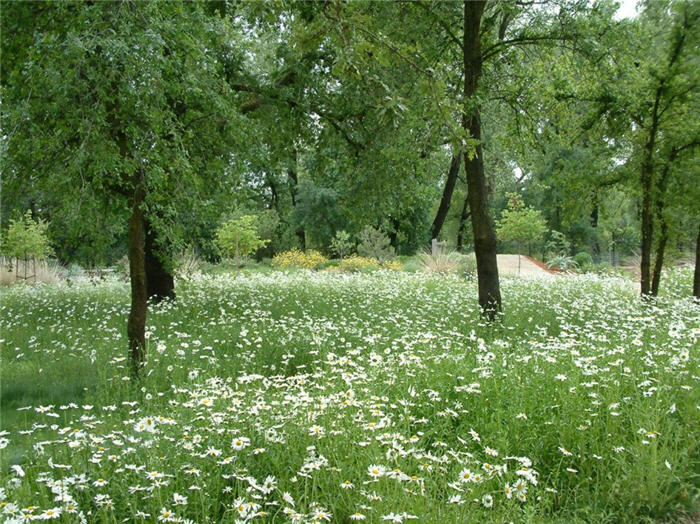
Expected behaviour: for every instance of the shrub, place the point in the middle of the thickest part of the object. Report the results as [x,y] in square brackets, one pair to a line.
[557,243]
[583,260]
[27,239]
[393,265]
[356,264]
[296,258]
[341,243]
[466,267]
[562,262]
[373,243]
[443,262]
[188,263]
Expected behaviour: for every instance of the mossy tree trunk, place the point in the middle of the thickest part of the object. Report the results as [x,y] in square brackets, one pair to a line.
[136,325]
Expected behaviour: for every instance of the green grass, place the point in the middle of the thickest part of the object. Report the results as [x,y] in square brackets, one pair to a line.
[591,389]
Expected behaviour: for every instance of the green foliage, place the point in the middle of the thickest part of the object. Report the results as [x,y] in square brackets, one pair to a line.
[373,243]
[117,100]
[267,223]
[239,236]
[27,238]
[318,212]
[564,262]
[583,260]
[557,244]
[342,243]
[520,223]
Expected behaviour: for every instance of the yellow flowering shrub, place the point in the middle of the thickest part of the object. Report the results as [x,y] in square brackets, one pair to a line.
[355,263]
[312,259]
[393,265]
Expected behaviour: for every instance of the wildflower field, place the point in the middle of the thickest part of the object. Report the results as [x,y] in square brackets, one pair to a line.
[325,397]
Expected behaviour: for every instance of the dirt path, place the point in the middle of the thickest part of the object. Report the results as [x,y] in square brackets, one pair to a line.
[508,266]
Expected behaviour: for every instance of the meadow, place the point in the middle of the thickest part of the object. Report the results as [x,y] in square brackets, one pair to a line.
[322,397]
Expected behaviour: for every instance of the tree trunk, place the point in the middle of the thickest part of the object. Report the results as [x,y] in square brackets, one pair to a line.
[647,226]
[659,259]
[136,326]
[663,239]
[484,236]
[696,275]
[647,168]
[446,195]
[464,215]
[294,188]
[160,283]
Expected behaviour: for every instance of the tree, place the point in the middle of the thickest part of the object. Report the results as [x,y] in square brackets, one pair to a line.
[648,101]
[373,243]
[240,236]
[126,99]
[342,243]
[668,88]
[27,239]
[446,199]
[520,223]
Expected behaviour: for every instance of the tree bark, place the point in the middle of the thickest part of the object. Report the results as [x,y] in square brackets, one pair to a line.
[647,167]
[136,325]
[464,215]
[647,178]
[663,238]
[446,195]
[160,283]
[659,259]
[294,188]
[484,236]
[696,275]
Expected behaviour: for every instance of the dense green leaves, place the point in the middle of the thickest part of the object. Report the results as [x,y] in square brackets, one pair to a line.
[27,238]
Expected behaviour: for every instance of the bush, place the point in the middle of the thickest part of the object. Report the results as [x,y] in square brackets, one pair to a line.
[27,239]
[296,258]
[393,265]
[373,243]
[341,243]
[557,244]
[562,262]
[188,263]
[357,264]
[441,263]
[466,267]
[583,261]
[520,223]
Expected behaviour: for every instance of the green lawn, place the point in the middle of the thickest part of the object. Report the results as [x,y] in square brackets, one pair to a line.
[313,397]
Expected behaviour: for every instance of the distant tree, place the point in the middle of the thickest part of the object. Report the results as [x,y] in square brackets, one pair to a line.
[521,224]
[239,236]
[373,243]
[342,243]
[27,239]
